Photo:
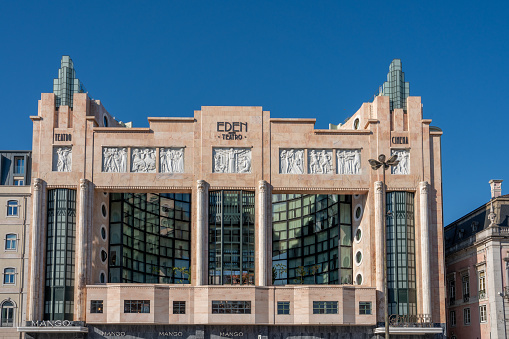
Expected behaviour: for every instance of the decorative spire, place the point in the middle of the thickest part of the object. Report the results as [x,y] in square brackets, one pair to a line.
[66,84]
[395,87]
[492,216]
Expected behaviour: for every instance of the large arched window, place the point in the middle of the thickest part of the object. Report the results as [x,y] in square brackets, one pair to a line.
[7,314]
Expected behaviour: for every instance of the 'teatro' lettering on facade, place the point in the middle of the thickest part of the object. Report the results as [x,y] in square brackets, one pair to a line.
[400,140]
[63,137]
[232,128]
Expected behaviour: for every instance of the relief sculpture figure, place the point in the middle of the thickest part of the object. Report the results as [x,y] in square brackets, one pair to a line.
[171,160]
[292,161]
[403,167]
[320,162]
[349,161]
[232,160]
[143,160]
[64,159]
[115,159]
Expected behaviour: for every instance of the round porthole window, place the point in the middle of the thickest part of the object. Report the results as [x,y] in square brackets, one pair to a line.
[104,210]
[104,256]
[358,257]
[356,123]
[105,121]
[357,214]
[358,279]
[358,235]
[356,196]
[103,232]
[102,277]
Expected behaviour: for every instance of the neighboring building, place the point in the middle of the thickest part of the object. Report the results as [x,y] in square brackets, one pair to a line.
[14,226]
[234,224]
[477,266]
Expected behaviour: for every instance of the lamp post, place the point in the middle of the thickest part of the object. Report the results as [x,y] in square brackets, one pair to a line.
[375,165]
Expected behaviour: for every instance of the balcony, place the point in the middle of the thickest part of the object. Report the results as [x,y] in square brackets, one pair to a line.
[482,294]
[466,298]
[262,309]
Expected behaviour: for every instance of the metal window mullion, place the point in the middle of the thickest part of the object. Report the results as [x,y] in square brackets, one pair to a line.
[241,220]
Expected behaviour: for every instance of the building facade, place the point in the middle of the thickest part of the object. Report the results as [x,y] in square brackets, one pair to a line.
[14,225]
[231,223]
[477,266]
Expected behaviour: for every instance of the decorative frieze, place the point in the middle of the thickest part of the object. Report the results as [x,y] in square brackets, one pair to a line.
[349,161]
[171,160]
[403,167]
[231,160]
[143,160]
[320,161]
[291,161]
[62,158]
[115,159]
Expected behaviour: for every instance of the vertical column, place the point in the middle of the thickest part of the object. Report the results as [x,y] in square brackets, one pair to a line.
[379,246]
[36,243]
[425,249]
[263,192]
[202,213]
[81,253]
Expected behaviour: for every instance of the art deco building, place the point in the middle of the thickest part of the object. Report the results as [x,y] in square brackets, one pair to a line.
[14,224]
[477,266]
[231,223]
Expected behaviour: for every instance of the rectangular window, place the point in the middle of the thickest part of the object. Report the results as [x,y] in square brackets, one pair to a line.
[19,182]
[136,306]
[483,317]
[466,287]
[96,306]
[9,276]
[231,307]
[179,307]
[365,307]
[325,307]
[283,307]
[452,291]
[452,316]
[12,208]
[466,316]
[482,285]
[10,242]
[19,165]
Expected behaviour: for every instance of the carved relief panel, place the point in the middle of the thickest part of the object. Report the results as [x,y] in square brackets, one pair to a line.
[62,158]
[171,160]
[231,160]
[403,166]
[143,160]
[349,161]
[320,161]
[115,159]
[291,161]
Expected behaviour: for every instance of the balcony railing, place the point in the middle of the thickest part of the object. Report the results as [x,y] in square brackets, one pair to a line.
[482,294]
[466,298]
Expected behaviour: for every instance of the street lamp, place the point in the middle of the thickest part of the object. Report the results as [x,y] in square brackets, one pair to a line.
[375,165]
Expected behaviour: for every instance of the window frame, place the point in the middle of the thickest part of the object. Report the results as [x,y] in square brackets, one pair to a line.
[137,306]
[481,284]
[96,306]
[231,306]
[13,209]
[13,313]
[452,318]
[365,308]
[283,307]
[325,307]
[465,286]
[13,274]
[19,169]
[467,316]
[179,307]
[483,314]
[11,241]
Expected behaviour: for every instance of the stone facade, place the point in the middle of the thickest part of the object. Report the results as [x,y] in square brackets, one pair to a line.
[238,148]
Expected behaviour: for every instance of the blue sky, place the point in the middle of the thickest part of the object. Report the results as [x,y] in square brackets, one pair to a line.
[318,59]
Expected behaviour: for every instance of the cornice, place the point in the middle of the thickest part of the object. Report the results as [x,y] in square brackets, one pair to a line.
[137,188]
[35,117]
[342,131]
[122,130]
[170,119]
[293,120]
[234,188]
[61,186]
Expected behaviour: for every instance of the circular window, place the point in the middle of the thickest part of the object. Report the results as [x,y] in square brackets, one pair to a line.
[356,196]
[105,121]
[103,232]
[356,123]
[358,257]
[358,279]
[104,210]
[102,277]
[358,212]
[358,235]
[104,256]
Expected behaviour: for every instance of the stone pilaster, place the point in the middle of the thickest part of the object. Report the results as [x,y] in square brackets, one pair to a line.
[36,246]
[379,246]
[425,248]
[202,214]
[81,253]
[263,225]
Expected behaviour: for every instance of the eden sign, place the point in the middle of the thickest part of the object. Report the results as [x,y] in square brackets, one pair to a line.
[229,130]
